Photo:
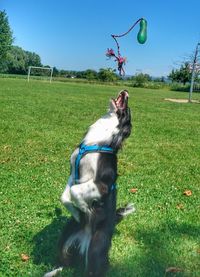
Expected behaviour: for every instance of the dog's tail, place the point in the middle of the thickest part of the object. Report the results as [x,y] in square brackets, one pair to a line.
[122,212]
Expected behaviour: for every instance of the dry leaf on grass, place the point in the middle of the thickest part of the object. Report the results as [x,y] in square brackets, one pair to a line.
[180,206]
[173,269]
[187,192]
[133,190]
[24,257]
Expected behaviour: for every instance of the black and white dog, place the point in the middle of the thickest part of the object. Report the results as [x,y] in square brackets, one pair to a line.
[90,194]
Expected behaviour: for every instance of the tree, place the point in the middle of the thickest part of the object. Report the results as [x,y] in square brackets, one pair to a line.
[6,38]
[18,61]
[90,74]
[173,75]
[140,79]
[33,59]
[182,75]
[13,59]
[107,75]
[55,72]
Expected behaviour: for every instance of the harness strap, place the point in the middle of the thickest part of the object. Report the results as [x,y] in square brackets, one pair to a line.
[113,187]
[85,149]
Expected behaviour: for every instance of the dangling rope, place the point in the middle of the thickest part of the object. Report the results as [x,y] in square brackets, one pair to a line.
[141,37]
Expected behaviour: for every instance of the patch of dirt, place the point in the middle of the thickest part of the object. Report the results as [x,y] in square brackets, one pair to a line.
[175,100]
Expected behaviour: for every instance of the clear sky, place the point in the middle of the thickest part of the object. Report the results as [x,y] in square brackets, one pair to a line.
[74,35]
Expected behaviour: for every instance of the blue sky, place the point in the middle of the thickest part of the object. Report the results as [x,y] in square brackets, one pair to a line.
[74,35]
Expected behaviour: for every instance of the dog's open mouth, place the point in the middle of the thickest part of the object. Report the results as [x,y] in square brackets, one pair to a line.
[121,102]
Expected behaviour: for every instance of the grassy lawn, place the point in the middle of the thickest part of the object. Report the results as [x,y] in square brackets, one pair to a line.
[41,123]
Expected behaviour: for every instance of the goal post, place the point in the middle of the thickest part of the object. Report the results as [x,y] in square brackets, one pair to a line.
[50,69]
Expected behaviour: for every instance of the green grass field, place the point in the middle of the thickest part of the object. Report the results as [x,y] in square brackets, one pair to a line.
[41,123]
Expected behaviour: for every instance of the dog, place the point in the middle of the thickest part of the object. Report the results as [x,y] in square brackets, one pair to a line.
[90,194]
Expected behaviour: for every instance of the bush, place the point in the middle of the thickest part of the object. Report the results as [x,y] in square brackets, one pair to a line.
[179,87]
[150,85]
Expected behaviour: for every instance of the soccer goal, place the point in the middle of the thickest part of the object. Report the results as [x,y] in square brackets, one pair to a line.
[45,72]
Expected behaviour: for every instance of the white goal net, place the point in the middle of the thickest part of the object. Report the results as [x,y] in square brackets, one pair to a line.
[40,72]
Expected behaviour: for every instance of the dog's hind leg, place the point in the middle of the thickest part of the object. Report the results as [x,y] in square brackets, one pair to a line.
[68,246]
[98,254]
[68,250]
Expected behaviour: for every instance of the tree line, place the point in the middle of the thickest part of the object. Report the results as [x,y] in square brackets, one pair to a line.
[18,61]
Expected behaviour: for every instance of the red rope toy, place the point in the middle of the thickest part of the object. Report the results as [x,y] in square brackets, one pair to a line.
[142,36]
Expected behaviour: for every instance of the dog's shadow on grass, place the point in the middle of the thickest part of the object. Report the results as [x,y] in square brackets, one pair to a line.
[45,249]
[46,241]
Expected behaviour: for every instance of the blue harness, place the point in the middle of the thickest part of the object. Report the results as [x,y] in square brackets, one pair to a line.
[85,149]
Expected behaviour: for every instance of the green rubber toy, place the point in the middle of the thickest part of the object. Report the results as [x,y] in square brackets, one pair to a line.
[142,34]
